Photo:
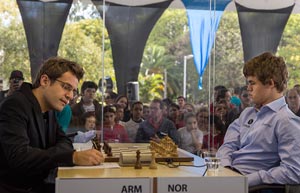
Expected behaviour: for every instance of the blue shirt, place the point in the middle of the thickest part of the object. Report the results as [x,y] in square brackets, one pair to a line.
[264,145]
[64,117]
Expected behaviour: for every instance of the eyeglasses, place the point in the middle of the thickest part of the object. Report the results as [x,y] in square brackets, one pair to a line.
[67,87]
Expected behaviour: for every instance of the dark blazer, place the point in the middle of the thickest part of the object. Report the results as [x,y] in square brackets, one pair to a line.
[31,143]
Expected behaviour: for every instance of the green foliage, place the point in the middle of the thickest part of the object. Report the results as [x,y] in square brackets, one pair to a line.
[81,43]
[168,28]
[289,48]
[151,86]
[13,45]
[167,44]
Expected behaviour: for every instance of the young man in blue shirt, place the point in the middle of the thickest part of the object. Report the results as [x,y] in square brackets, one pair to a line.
[263,143]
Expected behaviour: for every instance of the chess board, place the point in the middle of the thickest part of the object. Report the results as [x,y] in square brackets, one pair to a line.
[144,148]
[117,148]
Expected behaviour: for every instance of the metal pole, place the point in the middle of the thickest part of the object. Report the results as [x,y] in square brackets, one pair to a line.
[184,76]
[185,58]
[166,83]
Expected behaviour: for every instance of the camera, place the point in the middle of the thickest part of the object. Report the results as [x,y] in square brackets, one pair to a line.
[16,81]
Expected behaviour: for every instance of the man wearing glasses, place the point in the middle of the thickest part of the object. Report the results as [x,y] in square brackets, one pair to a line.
[31,144]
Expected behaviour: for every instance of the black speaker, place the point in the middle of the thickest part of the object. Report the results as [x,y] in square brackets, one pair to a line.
[108,84]
[132,90]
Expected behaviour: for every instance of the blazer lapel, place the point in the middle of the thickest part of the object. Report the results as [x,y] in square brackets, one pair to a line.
[41,128]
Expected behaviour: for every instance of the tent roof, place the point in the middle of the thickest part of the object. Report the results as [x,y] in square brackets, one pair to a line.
[256,4]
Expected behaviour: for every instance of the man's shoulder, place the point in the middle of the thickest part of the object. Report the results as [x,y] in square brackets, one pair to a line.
[168,121]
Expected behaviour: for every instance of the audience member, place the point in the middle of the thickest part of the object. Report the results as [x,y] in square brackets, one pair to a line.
[224,94]
[156,126]
[88,103]
[263,143]
[180,102]
[64,117]
[297,87]
[245,102]
[110,97]
[123,101]
[190,137]
[146,112]
[215,94]
[202,119]
[15,81]
[174,115]
[31,143]
[132,125]
[188,107]
[89,131]
[119,114]
[293,100]
[214,138]
[112,131]
[221,111]
[235,98]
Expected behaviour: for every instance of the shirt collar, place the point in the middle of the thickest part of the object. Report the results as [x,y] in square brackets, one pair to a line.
[275,105]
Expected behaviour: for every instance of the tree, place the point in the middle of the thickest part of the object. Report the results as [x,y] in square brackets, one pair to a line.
[13,46]
[289,48]
[81,42]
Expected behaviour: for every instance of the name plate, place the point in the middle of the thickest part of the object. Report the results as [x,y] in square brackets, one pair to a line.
[107,185]
[202,184]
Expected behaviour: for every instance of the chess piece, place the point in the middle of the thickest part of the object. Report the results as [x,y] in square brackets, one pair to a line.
[96,143]
[153,163]
[138,164]
[109,153]
[105,147]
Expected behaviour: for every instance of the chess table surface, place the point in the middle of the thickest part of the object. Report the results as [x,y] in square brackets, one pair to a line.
[163,169]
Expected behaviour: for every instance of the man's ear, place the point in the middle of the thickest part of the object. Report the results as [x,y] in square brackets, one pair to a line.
[271,82]
[44,80]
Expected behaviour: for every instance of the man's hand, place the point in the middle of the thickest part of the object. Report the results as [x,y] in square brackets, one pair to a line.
[155,138]
[88,157]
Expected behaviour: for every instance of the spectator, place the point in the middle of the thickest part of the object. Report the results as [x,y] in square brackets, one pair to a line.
[156,126]
[110,98]
[293,100]
[174,115]
[188,107]
[181,102]
[235,99]
[15,81]
[112,131]
[88,103]
[245,102]
[214,138]
[132,125]
[89,130]
[146,112]
[202,119]
[119,114]
[190,137]
[215,94]
[64,117]
[123,101]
